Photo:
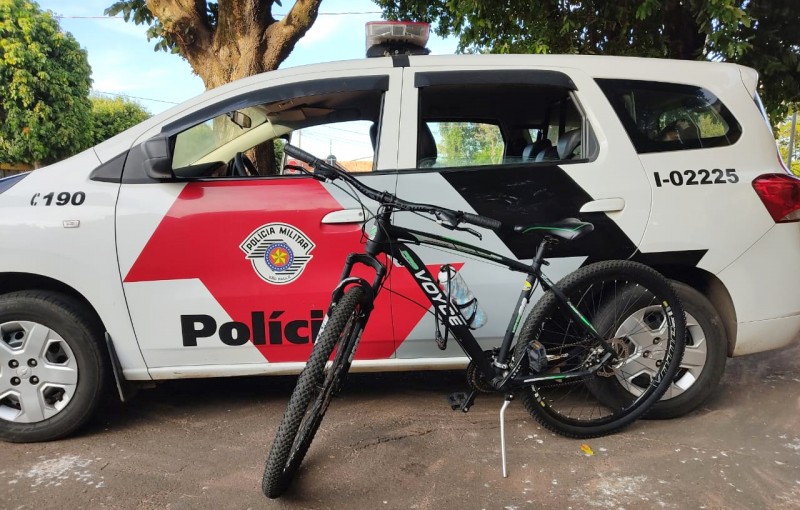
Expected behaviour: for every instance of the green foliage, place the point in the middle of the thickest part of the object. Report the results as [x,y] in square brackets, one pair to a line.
[277,147]
[782,133]
[44,87]
[762,34]
[113,116]
[468,143]
[774,39]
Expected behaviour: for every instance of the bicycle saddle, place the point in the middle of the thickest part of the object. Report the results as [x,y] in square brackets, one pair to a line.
[567,229]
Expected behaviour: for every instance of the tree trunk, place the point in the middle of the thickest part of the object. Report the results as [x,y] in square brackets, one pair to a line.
[263,156]
[246,40]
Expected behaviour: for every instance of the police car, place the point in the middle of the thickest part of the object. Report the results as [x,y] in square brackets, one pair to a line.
[165,252]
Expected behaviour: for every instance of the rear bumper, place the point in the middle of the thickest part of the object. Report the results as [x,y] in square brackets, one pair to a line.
[764,284]
[757,336]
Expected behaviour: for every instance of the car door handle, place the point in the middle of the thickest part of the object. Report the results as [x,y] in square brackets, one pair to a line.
[344,216]
[604,205]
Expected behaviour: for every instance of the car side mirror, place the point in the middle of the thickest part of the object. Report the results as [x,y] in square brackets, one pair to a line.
[156,158]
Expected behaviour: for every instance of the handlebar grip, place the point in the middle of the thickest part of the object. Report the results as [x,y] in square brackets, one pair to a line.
[300,154]
[481,221]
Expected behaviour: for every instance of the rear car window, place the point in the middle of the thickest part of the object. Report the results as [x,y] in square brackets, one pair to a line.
[476,124]
[663,117]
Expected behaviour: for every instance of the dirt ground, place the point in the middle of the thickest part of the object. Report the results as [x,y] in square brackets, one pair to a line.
[390,441]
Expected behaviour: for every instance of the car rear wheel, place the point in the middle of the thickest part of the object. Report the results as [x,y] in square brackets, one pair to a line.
[701,367]
[703,360]
[52,366]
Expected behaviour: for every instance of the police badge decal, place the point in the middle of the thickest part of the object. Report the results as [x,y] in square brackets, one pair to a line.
[279,252]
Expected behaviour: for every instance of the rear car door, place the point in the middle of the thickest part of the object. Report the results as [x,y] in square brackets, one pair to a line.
[228,267]
[525,146]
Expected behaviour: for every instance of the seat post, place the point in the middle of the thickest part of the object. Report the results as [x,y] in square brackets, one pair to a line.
[538,259]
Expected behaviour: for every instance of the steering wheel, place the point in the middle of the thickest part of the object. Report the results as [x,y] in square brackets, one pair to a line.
[242,166]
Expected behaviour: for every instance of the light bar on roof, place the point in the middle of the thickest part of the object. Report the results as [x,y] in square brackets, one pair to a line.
[396,38]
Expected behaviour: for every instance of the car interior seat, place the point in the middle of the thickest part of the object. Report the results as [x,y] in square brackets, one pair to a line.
[534,149]
[426,148]
[564,149]
[681,130]
[567,143]
[373,135]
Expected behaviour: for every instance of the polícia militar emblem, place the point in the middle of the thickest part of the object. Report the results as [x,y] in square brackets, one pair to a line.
[278,252]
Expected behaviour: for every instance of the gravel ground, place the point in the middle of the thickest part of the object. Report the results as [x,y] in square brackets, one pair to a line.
[391,441]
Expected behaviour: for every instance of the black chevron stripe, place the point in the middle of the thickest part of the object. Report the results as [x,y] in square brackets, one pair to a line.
[537,195]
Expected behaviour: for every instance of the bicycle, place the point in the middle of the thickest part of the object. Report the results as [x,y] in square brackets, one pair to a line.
[596,352]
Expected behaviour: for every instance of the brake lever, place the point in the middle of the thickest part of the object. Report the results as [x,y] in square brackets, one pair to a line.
[462,229]
[471,231]
[451,223]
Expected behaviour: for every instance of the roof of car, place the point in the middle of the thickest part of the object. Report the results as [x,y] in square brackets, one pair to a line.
[596,66]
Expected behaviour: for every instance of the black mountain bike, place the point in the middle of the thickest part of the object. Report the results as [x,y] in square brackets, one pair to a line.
[597,351]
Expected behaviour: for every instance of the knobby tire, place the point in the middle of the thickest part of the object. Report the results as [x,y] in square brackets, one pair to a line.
[316,384]
[610,295]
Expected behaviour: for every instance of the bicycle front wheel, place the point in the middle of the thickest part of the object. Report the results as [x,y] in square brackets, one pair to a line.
[316,385]
[638,315]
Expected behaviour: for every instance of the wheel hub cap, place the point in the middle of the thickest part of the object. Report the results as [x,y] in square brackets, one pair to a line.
[40,387]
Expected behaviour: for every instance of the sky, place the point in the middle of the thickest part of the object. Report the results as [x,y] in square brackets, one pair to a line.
[123,61]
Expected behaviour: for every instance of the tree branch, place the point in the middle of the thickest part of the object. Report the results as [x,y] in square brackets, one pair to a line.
[283,35]
[186,21]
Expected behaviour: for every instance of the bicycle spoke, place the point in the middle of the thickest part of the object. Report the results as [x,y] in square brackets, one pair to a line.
[627,312]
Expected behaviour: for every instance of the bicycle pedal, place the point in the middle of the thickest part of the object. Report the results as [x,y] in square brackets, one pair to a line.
[461,401]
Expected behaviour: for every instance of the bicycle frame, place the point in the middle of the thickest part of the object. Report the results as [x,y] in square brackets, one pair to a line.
[394,241]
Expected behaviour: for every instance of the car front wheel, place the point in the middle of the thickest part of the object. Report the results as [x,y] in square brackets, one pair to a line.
[52,366]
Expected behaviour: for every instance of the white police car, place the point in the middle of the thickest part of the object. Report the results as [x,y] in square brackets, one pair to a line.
[166,250]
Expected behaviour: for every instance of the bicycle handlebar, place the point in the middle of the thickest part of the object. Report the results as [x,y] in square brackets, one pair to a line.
[323,171]
[481,221]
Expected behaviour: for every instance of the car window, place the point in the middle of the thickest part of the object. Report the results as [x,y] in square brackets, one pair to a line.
[466,143]
[350,145]
[464,125]
[200,140]
[343,126]
[667,116]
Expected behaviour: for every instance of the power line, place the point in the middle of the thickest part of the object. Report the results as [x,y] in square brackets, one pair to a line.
[352,13]
[132,97]
[343,129]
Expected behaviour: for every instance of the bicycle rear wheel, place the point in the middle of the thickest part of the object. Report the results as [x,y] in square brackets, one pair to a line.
[637,313]
[316,384]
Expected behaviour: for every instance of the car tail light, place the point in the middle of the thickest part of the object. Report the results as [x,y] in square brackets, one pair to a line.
[781,196]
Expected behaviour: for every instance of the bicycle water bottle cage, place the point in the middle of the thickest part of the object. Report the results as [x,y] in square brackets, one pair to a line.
[568,229]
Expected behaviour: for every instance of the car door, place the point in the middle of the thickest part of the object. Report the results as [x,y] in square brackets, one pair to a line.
[487,140]
[227,271]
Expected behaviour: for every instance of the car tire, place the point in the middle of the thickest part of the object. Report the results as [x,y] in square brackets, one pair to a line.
[703,326]
[53,367]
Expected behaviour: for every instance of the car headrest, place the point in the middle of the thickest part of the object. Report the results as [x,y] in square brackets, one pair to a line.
[687,130]
[426,147]
[373,134]
[568,142]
